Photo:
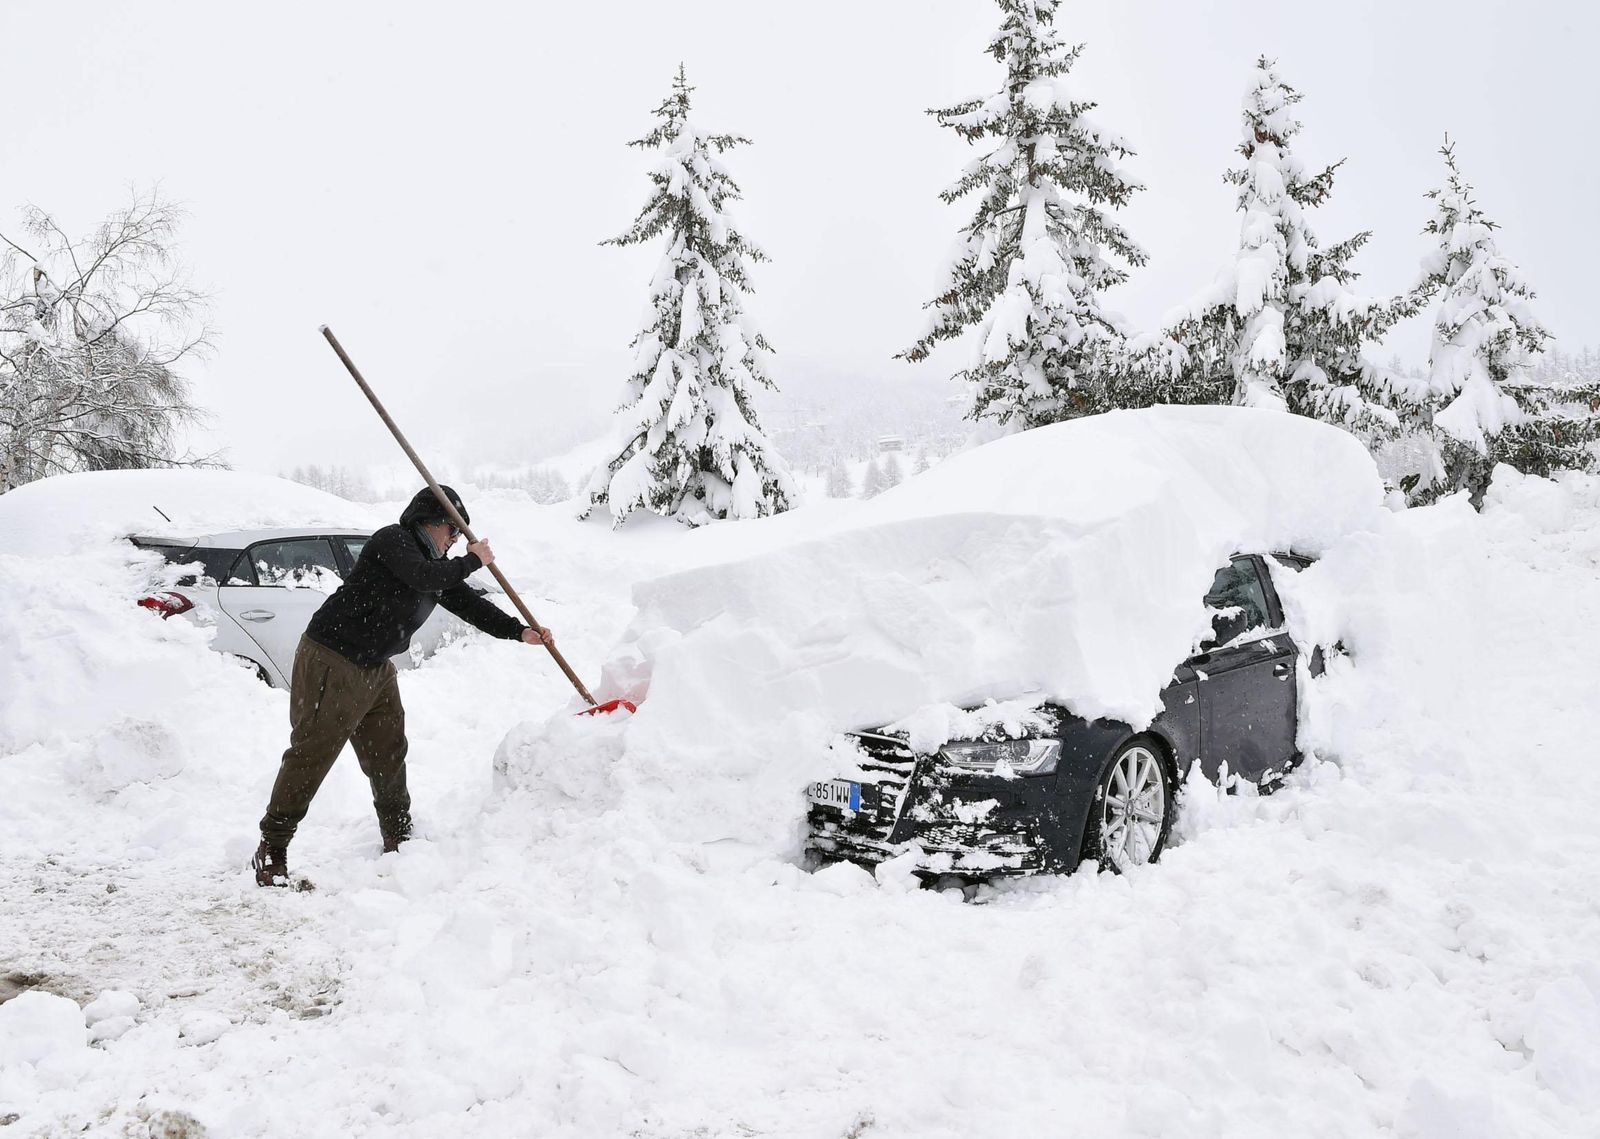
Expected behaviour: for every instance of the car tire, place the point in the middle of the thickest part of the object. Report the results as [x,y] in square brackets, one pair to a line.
[1123,838]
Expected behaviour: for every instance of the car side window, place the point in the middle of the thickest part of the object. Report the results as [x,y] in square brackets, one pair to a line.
[1237,600]
[299,563]
[240,573]
[213,562]
[176,555]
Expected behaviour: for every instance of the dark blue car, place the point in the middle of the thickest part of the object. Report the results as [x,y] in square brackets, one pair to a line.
[1078,789]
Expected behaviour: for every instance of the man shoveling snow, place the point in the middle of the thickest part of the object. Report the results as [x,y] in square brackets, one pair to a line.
[344,687]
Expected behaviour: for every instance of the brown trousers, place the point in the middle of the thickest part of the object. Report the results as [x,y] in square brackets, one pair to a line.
[333,701]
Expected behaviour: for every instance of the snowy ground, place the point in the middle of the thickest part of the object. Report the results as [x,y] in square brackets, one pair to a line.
[1400,942]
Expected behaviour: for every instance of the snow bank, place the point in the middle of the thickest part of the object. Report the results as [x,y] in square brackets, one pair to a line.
[1068,561]
[101,699]
[1395,943]
[73,512]
[1398,942]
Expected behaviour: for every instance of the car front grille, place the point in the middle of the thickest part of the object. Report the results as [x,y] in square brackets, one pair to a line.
[906,806]
[888,765]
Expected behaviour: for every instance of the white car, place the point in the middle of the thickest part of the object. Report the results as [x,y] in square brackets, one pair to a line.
[259,588]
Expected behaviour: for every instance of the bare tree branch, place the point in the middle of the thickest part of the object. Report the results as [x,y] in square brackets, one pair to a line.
[87,355]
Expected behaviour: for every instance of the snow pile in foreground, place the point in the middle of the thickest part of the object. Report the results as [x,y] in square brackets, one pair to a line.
[1397,943]
[101,701]
[70,513]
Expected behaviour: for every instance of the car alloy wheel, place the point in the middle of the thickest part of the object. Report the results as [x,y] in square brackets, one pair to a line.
[1132,809]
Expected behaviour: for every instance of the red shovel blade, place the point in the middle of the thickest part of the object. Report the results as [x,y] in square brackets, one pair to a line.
[610,706]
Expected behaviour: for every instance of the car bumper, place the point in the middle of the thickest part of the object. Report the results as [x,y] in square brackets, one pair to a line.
[959,824]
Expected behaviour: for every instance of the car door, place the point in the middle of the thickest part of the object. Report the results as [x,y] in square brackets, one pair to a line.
[1246,682]
[275,587]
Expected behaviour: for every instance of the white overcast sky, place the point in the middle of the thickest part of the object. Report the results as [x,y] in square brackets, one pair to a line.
[432,179]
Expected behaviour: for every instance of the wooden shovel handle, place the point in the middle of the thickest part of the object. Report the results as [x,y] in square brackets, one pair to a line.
[449,508]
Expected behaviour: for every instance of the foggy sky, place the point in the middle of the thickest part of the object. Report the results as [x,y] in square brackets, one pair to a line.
[433,180]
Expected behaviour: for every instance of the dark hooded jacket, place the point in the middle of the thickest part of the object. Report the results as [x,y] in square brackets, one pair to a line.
[394,586]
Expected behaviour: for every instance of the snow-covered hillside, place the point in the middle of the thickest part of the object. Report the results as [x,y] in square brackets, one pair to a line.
[1400,942]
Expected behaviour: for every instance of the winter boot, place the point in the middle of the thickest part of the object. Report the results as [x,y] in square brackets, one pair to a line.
[395,832]
[271,865]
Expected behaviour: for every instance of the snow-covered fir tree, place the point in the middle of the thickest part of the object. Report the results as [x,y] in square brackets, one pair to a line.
[1486,406]
[346,482]
[547,486]
[893,473]
[1556,366]
[873,482]
[1042,247]
[838,481]
[1281,327]
[692,448]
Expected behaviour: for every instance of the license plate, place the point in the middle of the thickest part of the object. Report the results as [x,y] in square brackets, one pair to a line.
[837,793]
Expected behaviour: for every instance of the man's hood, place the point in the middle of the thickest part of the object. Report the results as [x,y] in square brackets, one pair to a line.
[424,507]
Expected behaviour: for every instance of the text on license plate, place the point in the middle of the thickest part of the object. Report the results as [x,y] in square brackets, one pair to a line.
[840,793]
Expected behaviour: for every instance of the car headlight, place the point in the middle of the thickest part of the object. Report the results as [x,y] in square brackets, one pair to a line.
[1022,757]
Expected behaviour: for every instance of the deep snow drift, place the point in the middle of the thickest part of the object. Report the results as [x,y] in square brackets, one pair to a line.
[73,513]
[1399,942]
[1070,561]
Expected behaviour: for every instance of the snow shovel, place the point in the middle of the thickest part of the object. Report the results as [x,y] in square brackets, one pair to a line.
[461,525]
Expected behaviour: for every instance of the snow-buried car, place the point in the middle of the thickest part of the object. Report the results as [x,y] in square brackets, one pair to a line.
[1059,621]
[1030,787]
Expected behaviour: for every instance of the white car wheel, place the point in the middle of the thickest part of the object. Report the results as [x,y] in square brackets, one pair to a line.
[1132,811]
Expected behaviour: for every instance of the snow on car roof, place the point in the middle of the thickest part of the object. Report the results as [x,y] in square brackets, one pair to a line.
[239,539]
[68,512]
[1068,561]
[1090,471]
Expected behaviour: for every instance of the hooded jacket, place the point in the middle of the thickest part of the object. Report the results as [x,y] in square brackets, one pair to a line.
[395,584]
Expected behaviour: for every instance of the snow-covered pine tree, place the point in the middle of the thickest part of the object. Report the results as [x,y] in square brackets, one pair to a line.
[1280,326]
[693,449]
[873,482]
[839,484]
[1030,268]
[1486,405]
[893,473]
[546,485]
